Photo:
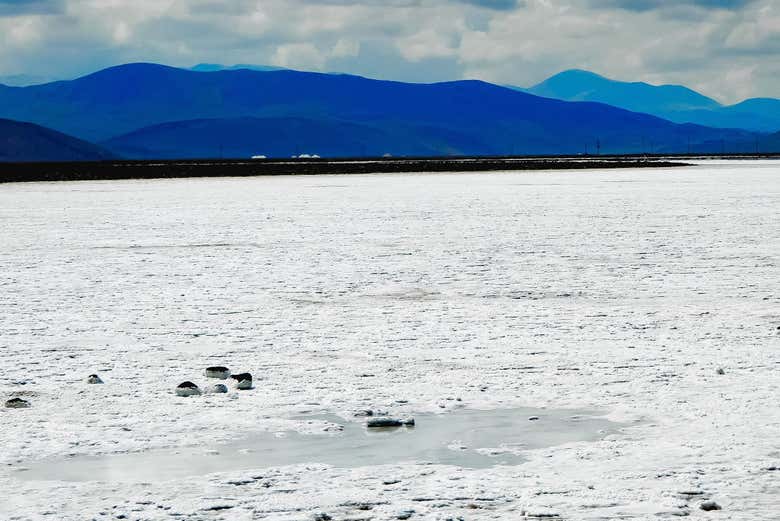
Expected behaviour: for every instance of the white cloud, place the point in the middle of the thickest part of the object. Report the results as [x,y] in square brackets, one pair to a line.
[725,48]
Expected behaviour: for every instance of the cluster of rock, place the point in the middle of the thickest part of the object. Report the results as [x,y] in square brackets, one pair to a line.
[19,403]
[243,382]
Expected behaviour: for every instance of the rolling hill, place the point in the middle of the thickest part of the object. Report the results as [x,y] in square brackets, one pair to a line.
[672,102]
[461,117]
[25,142]
[274,137]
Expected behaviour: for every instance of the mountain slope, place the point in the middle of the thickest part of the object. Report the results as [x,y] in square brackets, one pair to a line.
[578,85]
[672,102]
[22,142]
[760,115]
[273,137]
[769,143]
[466,117]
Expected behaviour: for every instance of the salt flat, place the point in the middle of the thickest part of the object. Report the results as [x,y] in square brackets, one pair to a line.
[619,291]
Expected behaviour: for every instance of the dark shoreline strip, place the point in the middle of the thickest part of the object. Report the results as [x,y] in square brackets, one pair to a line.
[115,170]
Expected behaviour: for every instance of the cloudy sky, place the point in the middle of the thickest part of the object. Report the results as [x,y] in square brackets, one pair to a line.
[728,49]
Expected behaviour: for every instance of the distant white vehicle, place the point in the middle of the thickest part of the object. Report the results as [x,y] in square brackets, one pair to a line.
[259,157]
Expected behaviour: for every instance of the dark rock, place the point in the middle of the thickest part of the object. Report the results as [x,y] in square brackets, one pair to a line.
[187,389]
[691,493]
[243,381]
[709,506]
[94,379]
[720,371]
[379,423]
[322,516]
[241,377]
[17,403]
[218,371]
[217,508]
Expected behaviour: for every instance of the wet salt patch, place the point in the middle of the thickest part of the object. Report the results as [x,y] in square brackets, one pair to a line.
[466,438]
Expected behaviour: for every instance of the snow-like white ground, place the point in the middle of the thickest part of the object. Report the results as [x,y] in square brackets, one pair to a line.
[620,291]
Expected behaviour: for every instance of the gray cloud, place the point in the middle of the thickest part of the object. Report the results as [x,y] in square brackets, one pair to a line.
[648,5]
[496,4]
[727,49]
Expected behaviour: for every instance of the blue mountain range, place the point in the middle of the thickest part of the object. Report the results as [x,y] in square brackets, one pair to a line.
[149,111]
[672,102]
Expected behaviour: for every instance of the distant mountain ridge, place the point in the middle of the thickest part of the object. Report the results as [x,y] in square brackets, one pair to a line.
[22,142]
[148,109]
[673,102]
[580,85]
[23,80]
[214,67]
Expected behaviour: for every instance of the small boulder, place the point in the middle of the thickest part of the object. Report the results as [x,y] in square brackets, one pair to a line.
[720,371]
[709,506]
[94,379]
[218,372]
[243,381]
[187,389]
[381,423]
[218,389]
[533,418]
[384,422]
[17,403]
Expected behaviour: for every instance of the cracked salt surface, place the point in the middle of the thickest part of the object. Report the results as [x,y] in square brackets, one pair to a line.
[619,291]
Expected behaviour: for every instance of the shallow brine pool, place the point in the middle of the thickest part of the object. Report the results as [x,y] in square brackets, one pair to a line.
[466,438]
